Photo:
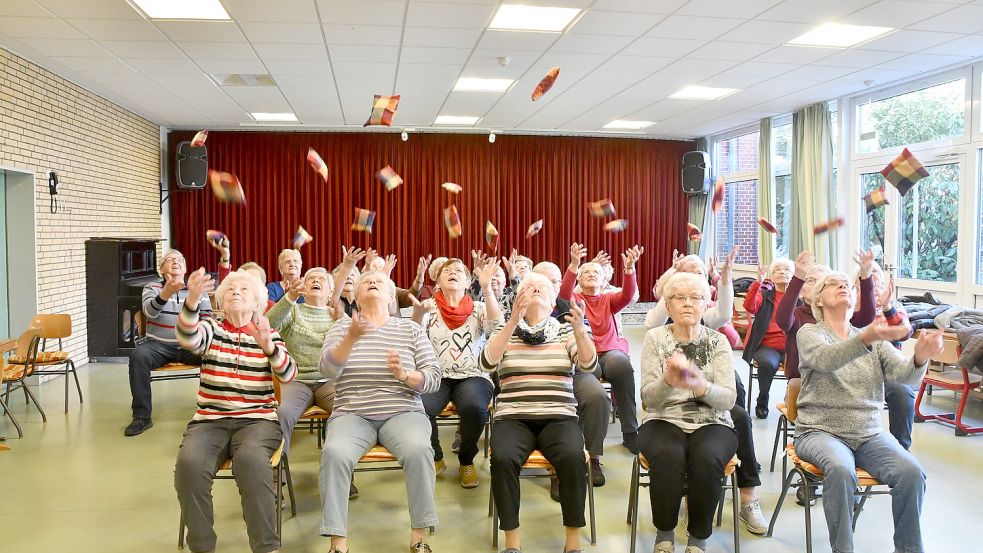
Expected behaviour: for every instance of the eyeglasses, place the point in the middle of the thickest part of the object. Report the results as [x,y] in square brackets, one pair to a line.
[682,300]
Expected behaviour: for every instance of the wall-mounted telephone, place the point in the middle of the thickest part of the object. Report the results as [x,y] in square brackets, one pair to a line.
[53,190]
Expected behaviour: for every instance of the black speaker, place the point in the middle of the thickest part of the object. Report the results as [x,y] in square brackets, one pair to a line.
[696,172]
[192,166]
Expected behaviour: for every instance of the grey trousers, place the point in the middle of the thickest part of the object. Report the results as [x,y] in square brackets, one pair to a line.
[593,406]
[250,443]
[407,436]
[295,398]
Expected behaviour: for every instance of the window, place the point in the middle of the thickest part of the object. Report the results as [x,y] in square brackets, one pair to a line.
[930,225]
[781,165]
[737,155]
[930,113]
[736,223]
[874,221]
[979,225]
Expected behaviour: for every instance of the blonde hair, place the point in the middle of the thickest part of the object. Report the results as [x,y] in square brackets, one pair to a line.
[253,266]
[258,289]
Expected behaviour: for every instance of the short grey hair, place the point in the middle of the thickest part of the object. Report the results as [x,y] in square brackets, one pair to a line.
[317,271]
[693,258]
[534,277]
[686,280]
[598,266]
[435,267]
[160,264]
[544,266]
[817,289]
[783,261]
[284,253]
[253,266]
[388,281]
[256,287]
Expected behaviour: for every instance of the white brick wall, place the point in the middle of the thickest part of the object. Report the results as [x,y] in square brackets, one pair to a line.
[108,165]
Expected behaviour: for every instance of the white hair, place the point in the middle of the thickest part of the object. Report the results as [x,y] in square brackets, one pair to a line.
[160,264]
[316,271]
[597,266]
[253,266]
[284,253]
[817,289]
[693,258]
[435,267]
[543,266]
[686,280]
[783,261]
[534,277]
[258,289]
[385,278]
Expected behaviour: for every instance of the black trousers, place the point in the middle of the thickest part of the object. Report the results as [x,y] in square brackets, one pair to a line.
[146,357]
[768,361]
[471,397]
[562,443]
[748,473]
[686,464]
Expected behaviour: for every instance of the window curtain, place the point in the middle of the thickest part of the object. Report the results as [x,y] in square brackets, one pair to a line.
[700,216]
[812,173]
[766,193]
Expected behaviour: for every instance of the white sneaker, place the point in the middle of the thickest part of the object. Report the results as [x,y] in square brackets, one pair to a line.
[753,518]
[664,547]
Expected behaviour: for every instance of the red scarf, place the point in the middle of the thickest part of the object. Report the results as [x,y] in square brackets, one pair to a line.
[454,316]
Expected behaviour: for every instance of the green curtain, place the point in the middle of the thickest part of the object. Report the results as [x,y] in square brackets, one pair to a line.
[766,193]
[812,178]
[700,216]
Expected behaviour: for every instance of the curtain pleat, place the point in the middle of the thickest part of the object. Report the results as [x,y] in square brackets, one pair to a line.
[812,173]
[513,182]
[766,193]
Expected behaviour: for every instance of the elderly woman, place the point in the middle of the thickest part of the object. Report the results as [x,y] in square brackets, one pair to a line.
[765,341]
[225,265]
[838,427]
[503,289]
[614,364]
[688,389]
[380,365]
[534,355]
[236,415]
[458,328]
[161,305]
[290,265]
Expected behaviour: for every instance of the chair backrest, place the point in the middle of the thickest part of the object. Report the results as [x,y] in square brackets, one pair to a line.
[53,325]
[792,398]
[949,354]
[140,323]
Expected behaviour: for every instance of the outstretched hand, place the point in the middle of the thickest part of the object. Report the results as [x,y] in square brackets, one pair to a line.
[352,256]
[260,331]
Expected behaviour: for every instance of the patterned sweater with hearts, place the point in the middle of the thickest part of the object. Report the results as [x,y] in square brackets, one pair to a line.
[459,349]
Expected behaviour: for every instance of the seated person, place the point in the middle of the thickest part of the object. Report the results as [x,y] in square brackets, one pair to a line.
[720,309]
[765,341]
[838,427]
[687,436]
[614,364]
[345,275]
[458,328]
[533,355]
[290,264]
[225,265]
[161,306]
[236,415]
[380,366]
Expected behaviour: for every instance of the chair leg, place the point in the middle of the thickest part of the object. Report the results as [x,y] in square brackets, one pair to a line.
[278,492]
[736,502]
[781,500]
[494,518]
[860,506]
[290,486]
[44,418]
[590,503]
[78,387]
[633,501]
[750,389]
[779,432]
[808,509]
[180,532]
[66,388]
[6,411]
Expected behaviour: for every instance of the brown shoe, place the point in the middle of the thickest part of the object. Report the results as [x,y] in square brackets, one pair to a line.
[420,547]
[469,476]
[439,467]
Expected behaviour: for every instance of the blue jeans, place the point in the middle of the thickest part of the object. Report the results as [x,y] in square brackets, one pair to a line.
[884,458]
[900,400]
[471,397]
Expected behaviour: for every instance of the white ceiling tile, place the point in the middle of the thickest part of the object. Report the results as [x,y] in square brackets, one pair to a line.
[441,14]
[297,67]
[356,97]
[597,22]
[115,79]
[595,88]
[22,8]
[770,32]
[469,103]
[643,65]
[642,6]
[795,54]
[279,11]
[299,33]
[685,26]
[346,69]
[696,70]
[156,49]
[382,35]
[266,99]
[420,54]
[909,41]
[66,47]
[224,66]
[732,51]
[38,27]
[662,47]
[201,31]
[817,73]
[914,63]
[970,46]
[169,66]
[314,99]
[745,9]
[378,54]
[963,19]
[507,41]
[219,50]
[297,52]
[760,70]
[117,29]
[860,58]
[96,65]
[363,12]
[591,44]
[440,36]
[571,60]
[812,12]
[108,9]
[423,71]
[895,13]
[418,103]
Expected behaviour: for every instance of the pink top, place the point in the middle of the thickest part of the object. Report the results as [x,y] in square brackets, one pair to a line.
[601,310]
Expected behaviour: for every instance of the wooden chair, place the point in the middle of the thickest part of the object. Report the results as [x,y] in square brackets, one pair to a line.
[536,466]
[449,417]
[55,327]
[170,371]
[753,374]
[786,422]
[379,459]
[811,474]
[315,419]
[741,319]
[14,374]
[640,478]
[959,380]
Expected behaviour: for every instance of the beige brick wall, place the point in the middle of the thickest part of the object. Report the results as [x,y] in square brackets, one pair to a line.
[108,164]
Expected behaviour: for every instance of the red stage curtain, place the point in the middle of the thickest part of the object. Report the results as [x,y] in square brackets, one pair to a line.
[512,182]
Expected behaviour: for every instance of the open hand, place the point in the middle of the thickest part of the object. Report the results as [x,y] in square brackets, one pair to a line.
[577,253]
[395,364]
[866,261]
[352,256]
[630,256]
[260,331]
[360,326]
[928,345]
[881,330]
[199,284]
[576,316]
[727,270]
[803,262]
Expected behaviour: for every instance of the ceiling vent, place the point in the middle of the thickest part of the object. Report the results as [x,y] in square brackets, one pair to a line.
[241,79]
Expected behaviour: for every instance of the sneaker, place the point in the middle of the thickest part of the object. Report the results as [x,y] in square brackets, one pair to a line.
[137,426]
[420,547]
[456,446]
[695,549]
[469,476]
[597,472]
[555,488]
[512,550]
[761,411]
[664,547]
[630,442]
[440,466]
[800,495]
[753,518]
[353,491]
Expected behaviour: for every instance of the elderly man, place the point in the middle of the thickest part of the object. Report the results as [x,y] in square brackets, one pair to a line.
[162,302]
[290,265]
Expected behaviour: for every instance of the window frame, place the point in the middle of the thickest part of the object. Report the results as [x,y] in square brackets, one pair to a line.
[733,177]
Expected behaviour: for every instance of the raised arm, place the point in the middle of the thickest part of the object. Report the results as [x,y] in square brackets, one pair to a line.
[658,315]
[349,258]
[581,349]
[339,343]
[485,272]
[752,301]
[192,333]
[494,350]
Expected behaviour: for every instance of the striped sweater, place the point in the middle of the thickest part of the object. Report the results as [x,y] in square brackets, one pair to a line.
[162,315]
[364,386]
[537,380]
[236,376]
